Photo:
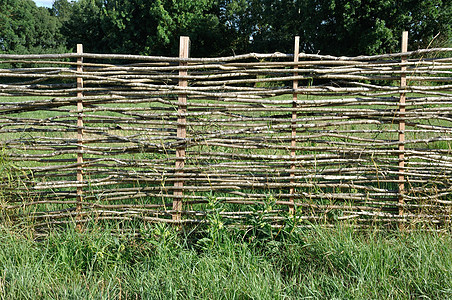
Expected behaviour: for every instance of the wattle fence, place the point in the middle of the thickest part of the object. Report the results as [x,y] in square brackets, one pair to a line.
[300,137]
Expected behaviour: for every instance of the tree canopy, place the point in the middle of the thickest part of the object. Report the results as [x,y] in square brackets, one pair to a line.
[145,27]
[223,27]
[26,28]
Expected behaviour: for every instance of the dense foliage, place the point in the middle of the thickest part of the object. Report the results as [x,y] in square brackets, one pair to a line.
[145,27]
[223,27]
[25,28]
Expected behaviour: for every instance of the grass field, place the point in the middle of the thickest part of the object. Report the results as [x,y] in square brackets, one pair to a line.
[317,263]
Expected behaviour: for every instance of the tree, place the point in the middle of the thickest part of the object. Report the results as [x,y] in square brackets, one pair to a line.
[425,20]
[84,26]
[355,27]
[147,27]
[223,27]
[26,28]
[62,9]
[338,27]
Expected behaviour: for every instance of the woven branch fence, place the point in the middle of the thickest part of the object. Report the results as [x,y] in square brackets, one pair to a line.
[301,137]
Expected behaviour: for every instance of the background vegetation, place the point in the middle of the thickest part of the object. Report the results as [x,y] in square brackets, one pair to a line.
[222,27]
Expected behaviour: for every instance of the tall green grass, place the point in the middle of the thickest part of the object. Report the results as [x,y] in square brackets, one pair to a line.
[164,263]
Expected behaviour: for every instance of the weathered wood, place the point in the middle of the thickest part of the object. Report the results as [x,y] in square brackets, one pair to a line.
[227,58]
[184,49]
[79,133]
[293,143]
[402,103]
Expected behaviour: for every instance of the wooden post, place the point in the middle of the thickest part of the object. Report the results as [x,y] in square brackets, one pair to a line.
[79,136]
[402,126]
[184,48]
[294,128]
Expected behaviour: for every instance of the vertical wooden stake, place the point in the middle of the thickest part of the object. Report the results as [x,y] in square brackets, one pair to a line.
[294,128]
[184,49]
[402,126]
[79,136]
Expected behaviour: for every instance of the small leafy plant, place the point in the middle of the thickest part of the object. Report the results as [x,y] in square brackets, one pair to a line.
[215,224]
